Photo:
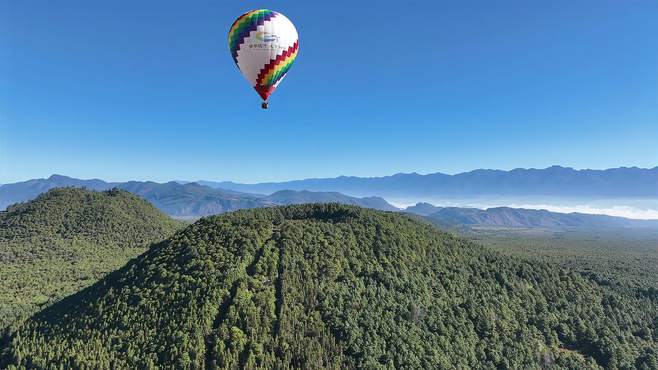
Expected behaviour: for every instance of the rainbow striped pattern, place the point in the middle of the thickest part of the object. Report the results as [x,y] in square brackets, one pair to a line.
[243,26]
[270,75]
[264,67]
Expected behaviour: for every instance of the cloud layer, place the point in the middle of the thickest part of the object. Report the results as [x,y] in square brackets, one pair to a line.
[628,211]
[620,211]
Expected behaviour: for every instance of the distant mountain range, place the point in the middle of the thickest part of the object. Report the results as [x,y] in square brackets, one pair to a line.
[30,189]
[523,218]
[552,181]
[187,200]
[287,197]
[193,200]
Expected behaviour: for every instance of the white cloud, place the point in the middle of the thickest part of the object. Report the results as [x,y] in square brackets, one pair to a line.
[628,211]
[620,211]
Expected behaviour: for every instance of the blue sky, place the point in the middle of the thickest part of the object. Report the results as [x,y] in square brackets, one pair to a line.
[120,91]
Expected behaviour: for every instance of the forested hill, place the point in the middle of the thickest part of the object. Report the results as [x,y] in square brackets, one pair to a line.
[68,238]
[115,216]
[331,286]
[185,200]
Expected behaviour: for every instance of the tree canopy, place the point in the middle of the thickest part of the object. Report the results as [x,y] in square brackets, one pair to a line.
[67,239]
[333,286]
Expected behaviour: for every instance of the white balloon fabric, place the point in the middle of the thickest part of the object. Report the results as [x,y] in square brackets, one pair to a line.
[264,45]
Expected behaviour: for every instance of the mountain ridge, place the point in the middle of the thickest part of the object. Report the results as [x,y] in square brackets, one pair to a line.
[554,180]
[197,199]
[524,218]
[288,197]
[187,200]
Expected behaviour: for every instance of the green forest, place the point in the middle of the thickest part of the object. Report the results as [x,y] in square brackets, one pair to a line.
[68,239]
[334,286]
[626,260]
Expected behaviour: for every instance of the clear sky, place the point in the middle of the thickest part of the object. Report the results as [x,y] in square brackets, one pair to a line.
[119,90]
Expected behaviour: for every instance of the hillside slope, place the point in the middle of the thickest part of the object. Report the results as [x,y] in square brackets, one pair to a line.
[67,239]
[525,218]
[191,199]
[185,200]
[329,286]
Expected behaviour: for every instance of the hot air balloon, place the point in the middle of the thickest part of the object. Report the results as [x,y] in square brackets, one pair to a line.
[263,44]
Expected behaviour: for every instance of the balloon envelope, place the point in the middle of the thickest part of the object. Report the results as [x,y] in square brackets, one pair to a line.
[264,45]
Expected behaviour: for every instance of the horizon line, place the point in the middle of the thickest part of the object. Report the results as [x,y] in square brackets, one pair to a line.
[338,176]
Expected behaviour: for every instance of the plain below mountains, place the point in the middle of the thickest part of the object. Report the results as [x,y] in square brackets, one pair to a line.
[336,287]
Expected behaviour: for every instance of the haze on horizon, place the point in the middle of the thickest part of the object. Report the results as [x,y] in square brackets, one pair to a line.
[403,191]
[434,184]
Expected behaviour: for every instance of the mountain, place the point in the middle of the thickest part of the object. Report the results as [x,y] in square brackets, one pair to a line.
[66,239]
[525,218]
[178,200]
[287,197]
[422,209]
[186,200]
[333,286]
[175,199]
[27,190]
[192,199]
[552,181]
